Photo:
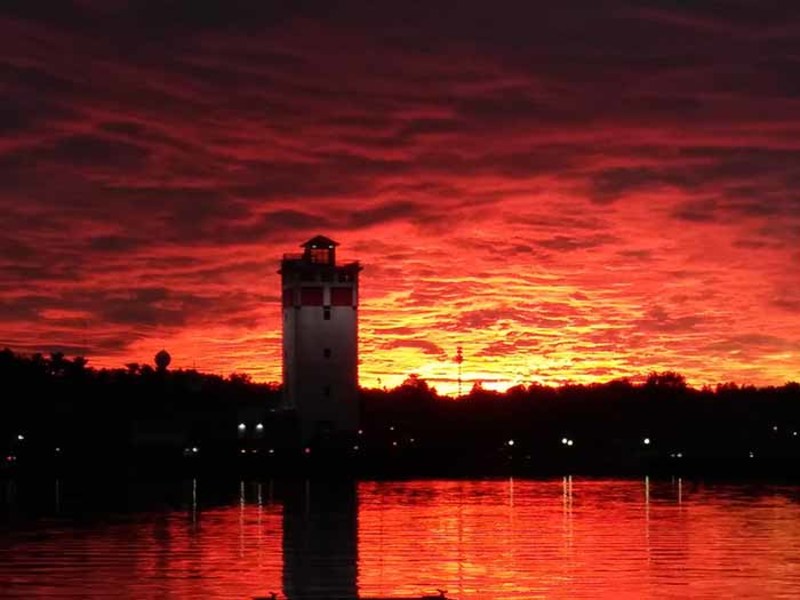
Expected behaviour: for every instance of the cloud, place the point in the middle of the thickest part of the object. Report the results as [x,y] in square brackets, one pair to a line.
[659,320]
[425,346]
[93,152]
[697,211]
[610,184]
[615,186]
[563,243]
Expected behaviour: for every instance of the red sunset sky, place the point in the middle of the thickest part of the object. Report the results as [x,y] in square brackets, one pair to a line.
[576,191]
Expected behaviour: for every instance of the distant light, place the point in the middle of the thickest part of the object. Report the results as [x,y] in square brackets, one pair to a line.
[195,449]
[11,458]
[391,428]
[21,437]
[243,451]
[355,448]
[253,451]
[360,432]
[774,428]
[242,427]
[646,441]
[752,455]
[260,427]
[411,440]
[794,433]
[679,455]
[564,441]
[569,442]
[307,450]
[58,449]
[510,442]
[272,451]
[394,443]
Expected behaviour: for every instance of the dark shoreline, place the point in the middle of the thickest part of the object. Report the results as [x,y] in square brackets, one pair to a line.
[139,422]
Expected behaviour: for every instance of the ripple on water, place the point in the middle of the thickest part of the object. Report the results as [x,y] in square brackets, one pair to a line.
[512,539]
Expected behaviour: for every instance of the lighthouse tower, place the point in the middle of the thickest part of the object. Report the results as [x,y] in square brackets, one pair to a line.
[320,340]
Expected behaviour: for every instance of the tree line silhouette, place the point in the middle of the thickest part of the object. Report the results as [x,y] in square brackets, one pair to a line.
[615,425]
[61,410]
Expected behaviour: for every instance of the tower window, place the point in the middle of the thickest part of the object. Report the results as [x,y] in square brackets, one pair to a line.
[326,352]
[311,296]
[326,313]
[341,296]
[321,256]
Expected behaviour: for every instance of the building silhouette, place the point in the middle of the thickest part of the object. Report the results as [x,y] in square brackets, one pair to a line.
[320,340]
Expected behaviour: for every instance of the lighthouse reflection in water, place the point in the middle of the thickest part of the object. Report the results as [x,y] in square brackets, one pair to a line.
[320,540]
[500,539]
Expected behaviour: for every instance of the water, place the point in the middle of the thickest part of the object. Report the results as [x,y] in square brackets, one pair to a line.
[510,539]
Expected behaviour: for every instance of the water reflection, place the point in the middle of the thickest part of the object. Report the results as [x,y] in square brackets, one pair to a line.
[509,539]
[320,540]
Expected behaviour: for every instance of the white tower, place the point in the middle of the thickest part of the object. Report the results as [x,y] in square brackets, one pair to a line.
[320,340]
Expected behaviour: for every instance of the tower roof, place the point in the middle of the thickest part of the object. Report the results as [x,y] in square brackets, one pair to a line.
[319,241]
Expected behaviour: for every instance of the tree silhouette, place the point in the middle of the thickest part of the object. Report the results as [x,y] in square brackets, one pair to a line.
[666,379]
[57,363]
[57,401]
[133,368]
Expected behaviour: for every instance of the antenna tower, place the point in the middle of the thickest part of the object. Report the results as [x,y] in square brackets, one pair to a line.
[459,360]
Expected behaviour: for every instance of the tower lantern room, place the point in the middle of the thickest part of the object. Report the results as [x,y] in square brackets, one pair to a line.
[320,340]
[320,250]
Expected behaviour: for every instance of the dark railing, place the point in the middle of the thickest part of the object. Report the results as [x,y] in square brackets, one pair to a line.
[301,257]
